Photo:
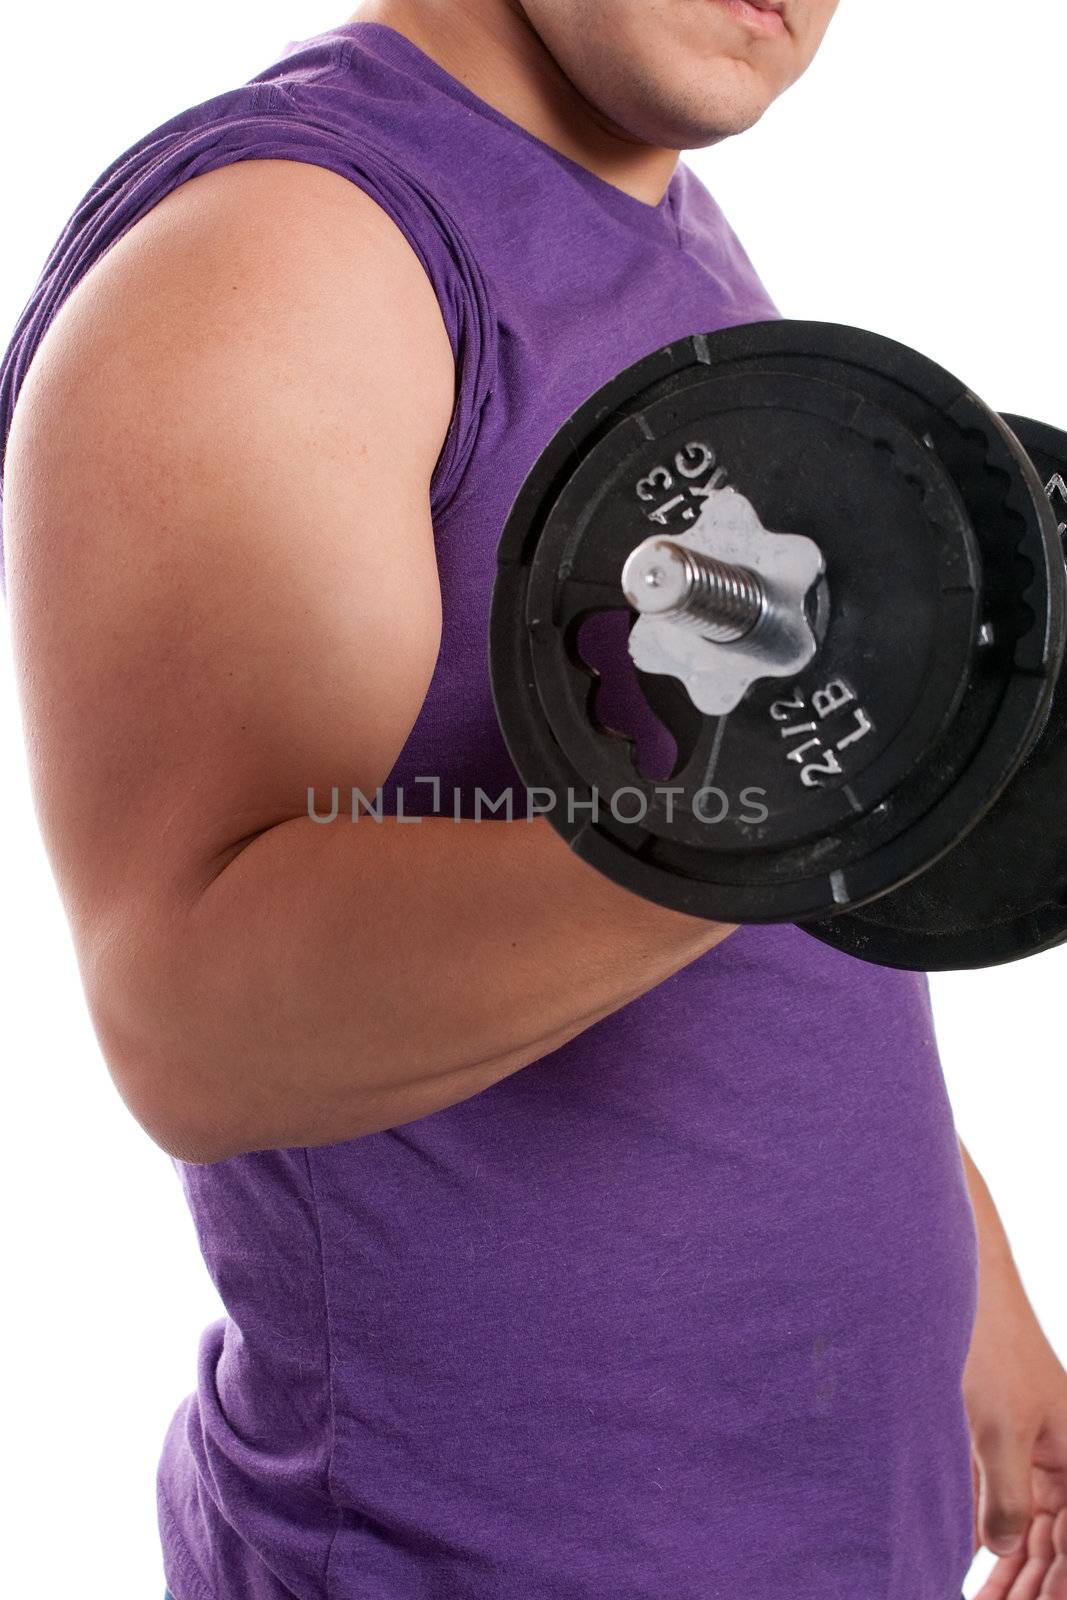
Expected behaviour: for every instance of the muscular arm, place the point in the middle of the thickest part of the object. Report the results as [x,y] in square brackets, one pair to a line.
[217,492]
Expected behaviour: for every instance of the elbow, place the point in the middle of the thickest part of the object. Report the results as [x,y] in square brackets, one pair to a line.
[188,1140]
[171,1090]
[187,1137]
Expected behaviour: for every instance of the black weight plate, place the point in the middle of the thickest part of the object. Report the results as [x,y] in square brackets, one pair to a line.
[1001,893]
[931,520]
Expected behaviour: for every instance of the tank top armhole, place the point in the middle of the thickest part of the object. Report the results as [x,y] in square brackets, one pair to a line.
[272,122]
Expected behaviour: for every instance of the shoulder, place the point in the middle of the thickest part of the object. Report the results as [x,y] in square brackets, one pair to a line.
[259,272]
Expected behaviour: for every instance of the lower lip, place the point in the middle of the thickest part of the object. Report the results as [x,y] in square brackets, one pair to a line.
[766,22]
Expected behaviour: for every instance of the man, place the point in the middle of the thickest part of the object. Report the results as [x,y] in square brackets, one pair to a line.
[572,1248]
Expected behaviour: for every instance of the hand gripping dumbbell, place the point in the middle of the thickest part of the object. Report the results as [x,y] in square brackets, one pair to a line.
[777,624]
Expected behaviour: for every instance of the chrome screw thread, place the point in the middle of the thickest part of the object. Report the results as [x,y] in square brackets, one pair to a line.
[663,578]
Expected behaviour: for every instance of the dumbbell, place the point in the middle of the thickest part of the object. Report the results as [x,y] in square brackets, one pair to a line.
[777,622]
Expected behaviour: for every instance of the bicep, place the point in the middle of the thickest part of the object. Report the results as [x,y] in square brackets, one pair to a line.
[221,567]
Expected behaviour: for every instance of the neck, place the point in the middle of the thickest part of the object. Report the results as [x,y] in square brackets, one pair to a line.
[490,47]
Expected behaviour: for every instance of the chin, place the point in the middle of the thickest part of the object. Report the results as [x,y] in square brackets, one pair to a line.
[701,122]
[721,123]
[691,107]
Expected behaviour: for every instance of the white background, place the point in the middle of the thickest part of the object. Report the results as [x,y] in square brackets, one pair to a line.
[912,184]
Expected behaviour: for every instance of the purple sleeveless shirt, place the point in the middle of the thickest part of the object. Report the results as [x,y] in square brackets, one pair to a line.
[679,1311]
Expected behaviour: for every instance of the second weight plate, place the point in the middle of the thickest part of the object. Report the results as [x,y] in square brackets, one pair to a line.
[1001,893]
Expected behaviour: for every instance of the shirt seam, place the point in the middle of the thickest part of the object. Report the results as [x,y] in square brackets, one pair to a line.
[675,218]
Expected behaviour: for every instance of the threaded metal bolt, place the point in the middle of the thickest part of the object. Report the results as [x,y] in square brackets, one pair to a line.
[663,578]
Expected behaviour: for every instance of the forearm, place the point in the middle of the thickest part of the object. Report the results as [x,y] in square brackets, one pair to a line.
[994,1248]
[336,980]
[1005,1322]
